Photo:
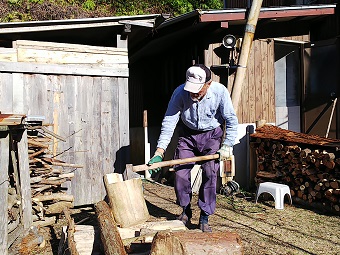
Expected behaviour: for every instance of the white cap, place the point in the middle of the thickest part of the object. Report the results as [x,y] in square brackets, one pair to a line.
[195,79]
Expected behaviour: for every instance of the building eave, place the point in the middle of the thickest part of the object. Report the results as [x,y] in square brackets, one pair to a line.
[230,15]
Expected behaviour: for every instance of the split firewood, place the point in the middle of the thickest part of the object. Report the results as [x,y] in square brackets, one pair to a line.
[335,184]
[41,139]
[60,176]
[47,221]
[55,182]
[34,154]
[33,143]
[333,199]
[36,179]
[13,224]
[329,164]
[309,165]
[48,132]
[47,176]
[58,207]
[54,197]
[70,233]
[13,200]
[39,209]
[56,162]
[336,192]
[268,175]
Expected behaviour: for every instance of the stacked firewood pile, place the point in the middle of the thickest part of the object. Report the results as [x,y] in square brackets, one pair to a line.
[14,211]
[47,176]
[308,164]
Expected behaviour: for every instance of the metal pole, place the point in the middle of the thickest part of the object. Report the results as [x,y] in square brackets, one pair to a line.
[331,117]
[244,54]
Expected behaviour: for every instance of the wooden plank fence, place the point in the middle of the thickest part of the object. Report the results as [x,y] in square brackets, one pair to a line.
[82,91]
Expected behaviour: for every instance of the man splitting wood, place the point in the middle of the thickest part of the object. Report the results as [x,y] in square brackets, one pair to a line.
[203,106]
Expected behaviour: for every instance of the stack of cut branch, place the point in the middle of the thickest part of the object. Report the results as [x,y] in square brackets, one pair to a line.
[47,176]
[14,209]
[310,167]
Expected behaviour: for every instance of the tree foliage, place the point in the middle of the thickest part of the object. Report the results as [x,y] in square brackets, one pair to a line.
[33,10]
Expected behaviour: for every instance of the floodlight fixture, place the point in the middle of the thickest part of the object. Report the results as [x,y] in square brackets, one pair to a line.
[229,41]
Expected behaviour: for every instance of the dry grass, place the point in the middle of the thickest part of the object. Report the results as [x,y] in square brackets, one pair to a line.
[263,229]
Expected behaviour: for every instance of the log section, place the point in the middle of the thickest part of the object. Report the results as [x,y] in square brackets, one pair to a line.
[112,242]
[127,201]
[194,243]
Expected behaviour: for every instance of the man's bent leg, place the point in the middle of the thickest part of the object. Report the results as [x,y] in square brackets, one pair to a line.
[183,179]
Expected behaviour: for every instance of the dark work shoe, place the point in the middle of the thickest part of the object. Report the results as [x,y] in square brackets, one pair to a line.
[205,227]
[187,210]
[184,218]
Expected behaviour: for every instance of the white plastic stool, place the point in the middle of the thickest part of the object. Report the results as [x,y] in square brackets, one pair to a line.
[278,191]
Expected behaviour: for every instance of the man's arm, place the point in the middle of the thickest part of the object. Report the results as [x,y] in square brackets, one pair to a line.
[169,123]
[229,115]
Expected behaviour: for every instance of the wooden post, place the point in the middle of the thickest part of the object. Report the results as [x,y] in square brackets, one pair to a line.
[4,160]
[146,143]
[25,185]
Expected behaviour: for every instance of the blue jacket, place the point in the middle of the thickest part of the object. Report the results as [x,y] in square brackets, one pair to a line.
[207,114]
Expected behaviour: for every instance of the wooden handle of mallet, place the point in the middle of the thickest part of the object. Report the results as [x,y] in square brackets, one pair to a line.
[173,162]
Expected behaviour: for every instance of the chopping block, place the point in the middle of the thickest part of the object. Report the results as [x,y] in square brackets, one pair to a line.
[126,200]
[195,243]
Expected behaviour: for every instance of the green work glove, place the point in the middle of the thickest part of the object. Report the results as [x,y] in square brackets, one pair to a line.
[225,152]
[157,157]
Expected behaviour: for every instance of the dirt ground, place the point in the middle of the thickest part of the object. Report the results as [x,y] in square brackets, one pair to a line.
[262,228]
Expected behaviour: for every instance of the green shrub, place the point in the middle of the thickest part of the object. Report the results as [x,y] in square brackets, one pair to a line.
[89,5]
[15,2]
[36,1]
[25,10]
[16,17]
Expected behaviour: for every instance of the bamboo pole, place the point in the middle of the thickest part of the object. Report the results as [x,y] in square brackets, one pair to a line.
[245,51]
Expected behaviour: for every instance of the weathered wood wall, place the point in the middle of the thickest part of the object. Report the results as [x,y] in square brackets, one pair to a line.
[258,93]
[83,93]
